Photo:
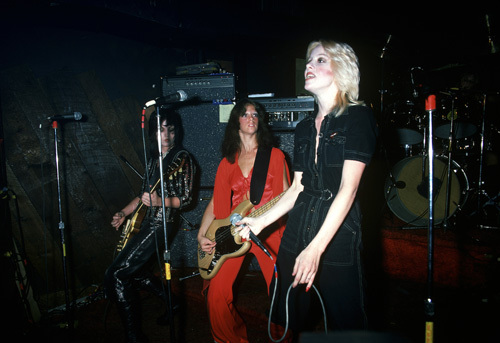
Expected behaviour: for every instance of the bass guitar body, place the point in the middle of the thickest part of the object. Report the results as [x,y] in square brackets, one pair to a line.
[229,244]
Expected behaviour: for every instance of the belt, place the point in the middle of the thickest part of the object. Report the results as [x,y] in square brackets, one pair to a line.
[324,194]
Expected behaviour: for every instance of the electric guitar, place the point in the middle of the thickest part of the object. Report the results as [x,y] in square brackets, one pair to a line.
[229,242]
[133,225]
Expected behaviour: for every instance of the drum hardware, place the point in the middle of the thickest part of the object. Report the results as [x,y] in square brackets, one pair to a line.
[407,193]
[402,135]
[408,184]
[450,148]
[461,141]
[382,88]
[408,129]
[393,183]
[413,83]
[457,117]
[489,201]
[483,198]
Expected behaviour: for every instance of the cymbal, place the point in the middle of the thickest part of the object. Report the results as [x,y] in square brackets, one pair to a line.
[453,91]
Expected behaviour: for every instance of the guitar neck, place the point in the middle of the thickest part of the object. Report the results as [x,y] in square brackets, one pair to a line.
[174,167]
[264,208]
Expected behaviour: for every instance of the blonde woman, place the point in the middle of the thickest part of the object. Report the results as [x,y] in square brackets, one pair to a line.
[321,245]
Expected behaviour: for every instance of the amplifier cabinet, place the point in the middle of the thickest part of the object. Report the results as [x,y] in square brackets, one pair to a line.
[215,88]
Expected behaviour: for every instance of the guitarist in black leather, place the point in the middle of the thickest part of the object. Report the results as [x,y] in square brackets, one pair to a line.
[130,270]
[246,140]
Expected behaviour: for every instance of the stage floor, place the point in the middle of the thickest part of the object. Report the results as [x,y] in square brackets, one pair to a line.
[394,306]
[465,289]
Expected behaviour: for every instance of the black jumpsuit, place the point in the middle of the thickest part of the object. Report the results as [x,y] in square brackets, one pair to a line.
[350,136]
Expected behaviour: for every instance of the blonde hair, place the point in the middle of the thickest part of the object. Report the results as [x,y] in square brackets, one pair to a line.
[345,68]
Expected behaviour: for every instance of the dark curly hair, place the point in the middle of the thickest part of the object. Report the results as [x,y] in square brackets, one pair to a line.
[172,118]
[231,144]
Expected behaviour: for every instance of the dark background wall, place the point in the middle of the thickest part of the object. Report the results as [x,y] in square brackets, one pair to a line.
[105,59]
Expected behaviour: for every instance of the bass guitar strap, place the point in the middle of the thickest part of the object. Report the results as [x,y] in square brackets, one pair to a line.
[259,174]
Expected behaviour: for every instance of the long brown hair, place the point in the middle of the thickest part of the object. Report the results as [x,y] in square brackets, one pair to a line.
[231,144]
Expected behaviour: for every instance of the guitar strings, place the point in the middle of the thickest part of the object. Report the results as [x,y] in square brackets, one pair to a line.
[228,234]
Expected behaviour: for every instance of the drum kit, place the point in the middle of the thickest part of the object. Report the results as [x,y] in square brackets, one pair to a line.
[465,164]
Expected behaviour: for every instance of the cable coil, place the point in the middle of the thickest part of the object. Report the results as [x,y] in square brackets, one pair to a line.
[286,308]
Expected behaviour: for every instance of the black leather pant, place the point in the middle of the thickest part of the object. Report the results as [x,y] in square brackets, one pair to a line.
[128,273]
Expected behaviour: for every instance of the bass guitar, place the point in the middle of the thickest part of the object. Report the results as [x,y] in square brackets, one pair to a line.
[133,225]
[229,242]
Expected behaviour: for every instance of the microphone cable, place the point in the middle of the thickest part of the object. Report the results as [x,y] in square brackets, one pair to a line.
[286,308]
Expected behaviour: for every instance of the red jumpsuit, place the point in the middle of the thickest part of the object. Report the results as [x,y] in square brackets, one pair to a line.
[226,323]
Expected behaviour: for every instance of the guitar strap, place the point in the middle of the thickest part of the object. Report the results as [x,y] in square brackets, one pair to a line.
[259,174]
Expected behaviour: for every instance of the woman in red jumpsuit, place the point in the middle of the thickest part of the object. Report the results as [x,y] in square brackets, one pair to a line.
[245,133]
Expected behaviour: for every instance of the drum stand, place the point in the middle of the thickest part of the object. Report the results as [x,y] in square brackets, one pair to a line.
[428,157]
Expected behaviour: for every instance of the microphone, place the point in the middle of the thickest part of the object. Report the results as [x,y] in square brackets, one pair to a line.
[177,96]
[74,116]
[235,217]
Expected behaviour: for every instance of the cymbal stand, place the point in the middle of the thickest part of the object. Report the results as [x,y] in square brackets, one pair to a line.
[450,149]
[382,89]
[481,192]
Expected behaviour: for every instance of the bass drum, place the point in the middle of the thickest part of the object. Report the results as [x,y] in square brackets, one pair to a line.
[407,195]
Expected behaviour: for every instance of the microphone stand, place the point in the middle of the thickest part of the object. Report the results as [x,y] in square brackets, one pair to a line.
[62,229]
[166,254]
[430,105]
